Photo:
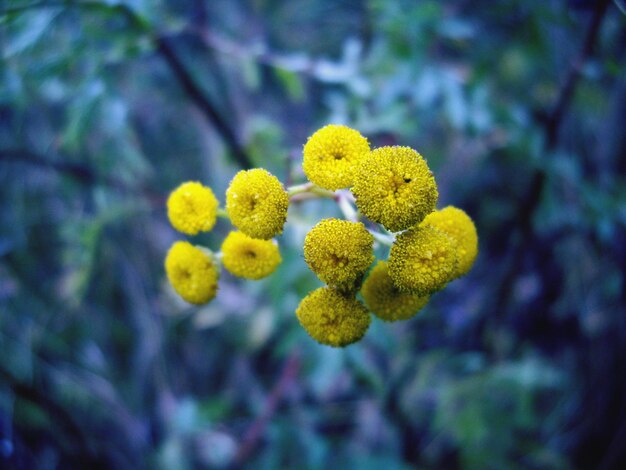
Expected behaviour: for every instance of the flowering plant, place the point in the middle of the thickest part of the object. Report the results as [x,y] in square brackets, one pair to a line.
[391,200]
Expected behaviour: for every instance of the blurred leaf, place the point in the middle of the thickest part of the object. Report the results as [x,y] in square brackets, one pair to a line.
[291,82]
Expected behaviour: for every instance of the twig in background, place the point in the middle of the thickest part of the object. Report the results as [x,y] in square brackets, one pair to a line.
[167,51]
[255,431]
[552,125]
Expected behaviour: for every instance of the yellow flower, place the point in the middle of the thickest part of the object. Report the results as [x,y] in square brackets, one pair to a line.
[455,223]
[192,272]
[331,155]
[422,260]
[248,257]
[385,300]
[192,208]
[332,318]
[339,252]
[257,203]
[394,187]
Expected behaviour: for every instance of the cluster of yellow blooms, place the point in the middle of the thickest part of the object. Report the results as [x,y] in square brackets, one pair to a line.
[395,193]
[256,204]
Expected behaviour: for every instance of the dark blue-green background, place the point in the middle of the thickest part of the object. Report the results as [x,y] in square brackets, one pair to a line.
[519,107]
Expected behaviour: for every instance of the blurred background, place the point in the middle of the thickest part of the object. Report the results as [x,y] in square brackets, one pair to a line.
[106,106]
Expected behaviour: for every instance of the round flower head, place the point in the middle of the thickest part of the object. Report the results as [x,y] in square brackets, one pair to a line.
[395,187]
[422,260]
[331,155]
[332,318]
[248,257]
[192,208]
[339,252]
[257,203]
[455,223]
[385,300]
[192,272]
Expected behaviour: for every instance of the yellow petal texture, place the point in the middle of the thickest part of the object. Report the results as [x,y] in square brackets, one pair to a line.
[248,257]
[192,208]
[331,155]
[395,187]
[257,203]
[192,272]
[385,300]
[455,223]
[332,318]
[339,252]
[422,260]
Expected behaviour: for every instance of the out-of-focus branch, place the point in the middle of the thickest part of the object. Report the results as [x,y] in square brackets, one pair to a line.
[193,90]
[81,449]
[164,47]
[78,171]
[255,431]
[552,125]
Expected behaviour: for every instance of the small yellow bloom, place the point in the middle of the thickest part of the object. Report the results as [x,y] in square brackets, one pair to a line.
[192,272]
[257,203]
[248,257]
[455,223]
[422,260]
[192,208]
[332,318]
[395,187]
[385,300]
[339,252]
[331,155]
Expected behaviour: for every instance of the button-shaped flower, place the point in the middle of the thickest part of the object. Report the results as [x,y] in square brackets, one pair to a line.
[257,203]
[249,258]
[192,272]
[395,187]
[339,252]
[385,300]
[333,318]
[422,260]
[455,223]
[192,208]
[331,155]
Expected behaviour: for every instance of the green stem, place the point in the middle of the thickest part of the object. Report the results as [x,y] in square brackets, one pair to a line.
[310,188]
[382,238]
[299,189]
[222,213]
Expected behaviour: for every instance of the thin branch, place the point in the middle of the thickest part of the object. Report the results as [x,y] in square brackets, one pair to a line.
[167,51]
[58,414]
[552,125]
[80,172]
[201,100]
[77,171]
[255,431]
[555,119]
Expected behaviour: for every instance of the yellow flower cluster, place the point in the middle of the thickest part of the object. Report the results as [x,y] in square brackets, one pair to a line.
[257,203]
[385,300]
[339,252]
[331,155]
[390,186]
[248,257]
[192,272]
[394,187]
[332,318]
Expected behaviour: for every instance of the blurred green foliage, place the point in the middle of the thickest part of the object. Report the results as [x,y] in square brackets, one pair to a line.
[517,365]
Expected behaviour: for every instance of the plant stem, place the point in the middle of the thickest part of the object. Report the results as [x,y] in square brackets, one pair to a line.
[310,188]
[382,238]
